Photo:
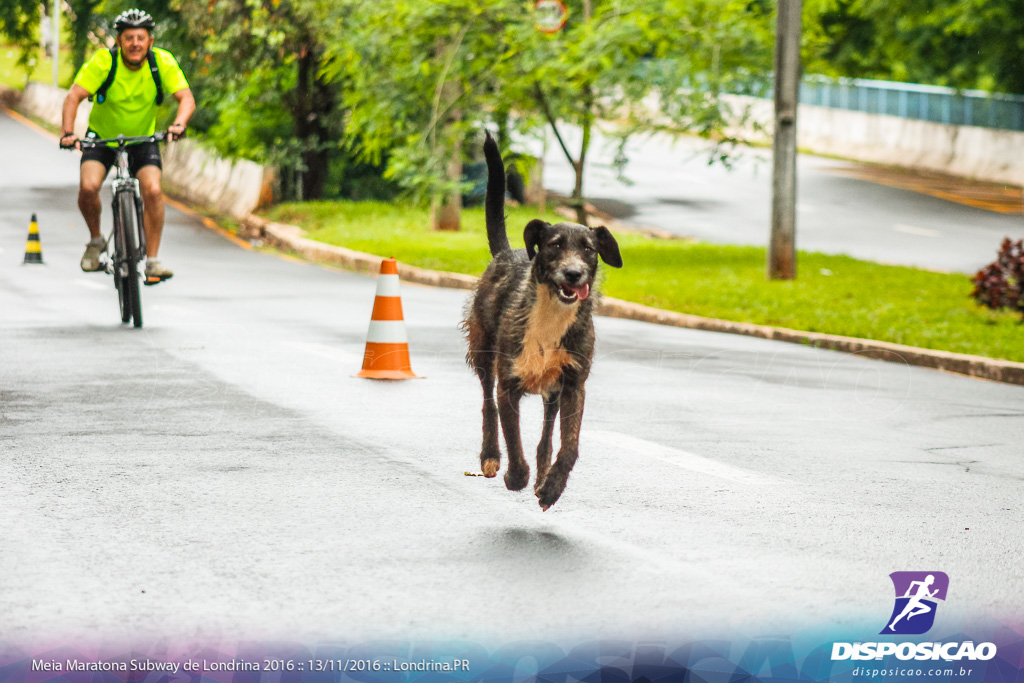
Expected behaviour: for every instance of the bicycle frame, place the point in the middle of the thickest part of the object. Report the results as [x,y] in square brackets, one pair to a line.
[129,249]
[124,182]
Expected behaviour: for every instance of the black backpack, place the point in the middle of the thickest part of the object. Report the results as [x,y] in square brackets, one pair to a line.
[100,96]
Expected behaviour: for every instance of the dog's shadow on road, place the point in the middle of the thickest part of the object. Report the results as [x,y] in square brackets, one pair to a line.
[519,545]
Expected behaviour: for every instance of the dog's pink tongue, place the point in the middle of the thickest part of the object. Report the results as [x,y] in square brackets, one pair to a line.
[583,291]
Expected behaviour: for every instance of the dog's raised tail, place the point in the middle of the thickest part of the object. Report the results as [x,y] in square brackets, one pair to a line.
[494,205]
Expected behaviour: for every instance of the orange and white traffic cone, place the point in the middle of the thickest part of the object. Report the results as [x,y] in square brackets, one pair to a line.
[387,346]
[33,248]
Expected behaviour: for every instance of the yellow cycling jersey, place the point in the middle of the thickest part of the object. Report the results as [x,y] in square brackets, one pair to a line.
[130,107]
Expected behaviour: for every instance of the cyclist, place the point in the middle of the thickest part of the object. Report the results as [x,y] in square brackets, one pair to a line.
[126,106]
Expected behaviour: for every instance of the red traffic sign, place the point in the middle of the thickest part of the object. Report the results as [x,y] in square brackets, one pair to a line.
[551,15]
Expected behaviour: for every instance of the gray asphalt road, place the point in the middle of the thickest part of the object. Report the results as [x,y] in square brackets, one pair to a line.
[221,474]
[675,189]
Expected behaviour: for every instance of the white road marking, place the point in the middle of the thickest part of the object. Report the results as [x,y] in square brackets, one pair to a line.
[684,459]
[914,230]
[343,358]
[169,308]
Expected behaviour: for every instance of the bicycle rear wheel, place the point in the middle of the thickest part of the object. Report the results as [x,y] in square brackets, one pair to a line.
[128,274]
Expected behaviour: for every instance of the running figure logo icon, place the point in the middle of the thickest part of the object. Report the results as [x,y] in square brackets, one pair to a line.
[917,594]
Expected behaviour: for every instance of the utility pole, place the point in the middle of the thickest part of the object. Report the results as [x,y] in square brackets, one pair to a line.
[56,40]
[782,246]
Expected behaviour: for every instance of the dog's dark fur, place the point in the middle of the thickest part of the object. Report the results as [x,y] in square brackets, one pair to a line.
[530,331]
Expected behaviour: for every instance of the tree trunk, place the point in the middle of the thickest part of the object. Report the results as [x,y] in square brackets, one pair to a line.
[501,117]
[312,100]
[316,162]
[446,213]
[782,245]
[300,116]
[317,158]
[578,202]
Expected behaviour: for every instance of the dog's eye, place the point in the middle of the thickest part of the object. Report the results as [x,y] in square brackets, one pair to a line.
[555,245]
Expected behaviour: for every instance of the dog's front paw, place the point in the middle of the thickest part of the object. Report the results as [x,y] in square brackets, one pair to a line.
[516,479]
[550,491]
[490,467]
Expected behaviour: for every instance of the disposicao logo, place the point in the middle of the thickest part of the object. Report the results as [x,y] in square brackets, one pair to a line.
[917,597]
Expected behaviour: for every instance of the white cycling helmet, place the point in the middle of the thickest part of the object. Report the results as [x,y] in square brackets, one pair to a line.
[134,18]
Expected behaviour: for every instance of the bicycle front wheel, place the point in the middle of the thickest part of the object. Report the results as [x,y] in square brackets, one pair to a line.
[131,302]
[124,303]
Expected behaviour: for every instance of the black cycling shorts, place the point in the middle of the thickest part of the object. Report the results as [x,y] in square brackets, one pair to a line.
[144,154]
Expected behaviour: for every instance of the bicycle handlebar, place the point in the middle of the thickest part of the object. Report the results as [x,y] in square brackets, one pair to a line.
[123,141]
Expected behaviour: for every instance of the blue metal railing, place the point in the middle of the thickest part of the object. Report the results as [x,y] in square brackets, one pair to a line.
[906,100]
[912,101]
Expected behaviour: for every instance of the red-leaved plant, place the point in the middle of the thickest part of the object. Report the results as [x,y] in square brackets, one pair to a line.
[1001,284]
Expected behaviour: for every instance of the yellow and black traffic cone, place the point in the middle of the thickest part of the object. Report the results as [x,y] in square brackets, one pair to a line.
[33,249]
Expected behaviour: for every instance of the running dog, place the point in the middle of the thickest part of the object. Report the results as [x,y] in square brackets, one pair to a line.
[530,330]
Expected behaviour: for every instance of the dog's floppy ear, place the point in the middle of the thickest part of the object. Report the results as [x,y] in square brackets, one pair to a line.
[607,247]
[532,234]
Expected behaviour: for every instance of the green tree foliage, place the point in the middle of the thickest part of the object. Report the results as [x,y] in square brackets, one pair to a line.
[85,22]
[420,77]
[958,43]
[256,70]
[612,57]
[19,24]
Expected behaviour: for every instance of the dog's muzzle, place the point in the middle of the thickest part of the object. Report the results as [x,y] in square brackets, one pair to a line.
[570,294]
[571,289]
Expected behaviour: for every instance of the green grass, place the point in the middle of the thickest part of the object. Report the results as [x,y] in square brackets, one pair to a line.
[402,232]
[859,298]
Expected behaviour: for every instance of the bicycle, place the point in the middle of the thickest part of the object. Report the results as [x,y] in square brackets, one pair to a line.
[128,233]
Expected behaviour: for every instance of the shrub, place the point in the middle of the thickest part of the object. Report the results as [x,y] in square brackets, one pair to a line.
[1001,284]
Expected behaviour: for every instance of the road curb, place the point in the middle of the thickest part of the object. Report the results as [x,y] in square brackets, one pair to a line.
[946,361]
[290,237]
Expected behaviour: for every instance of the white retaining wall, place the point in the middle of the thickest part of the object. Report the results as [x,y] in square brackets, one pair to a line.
[969,151]
[191,172]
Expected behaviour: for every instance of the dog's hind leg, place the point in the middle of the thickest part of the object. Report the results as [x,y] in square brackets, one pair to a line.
[490,455]
[518,473]
[544,447]
[571,406]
